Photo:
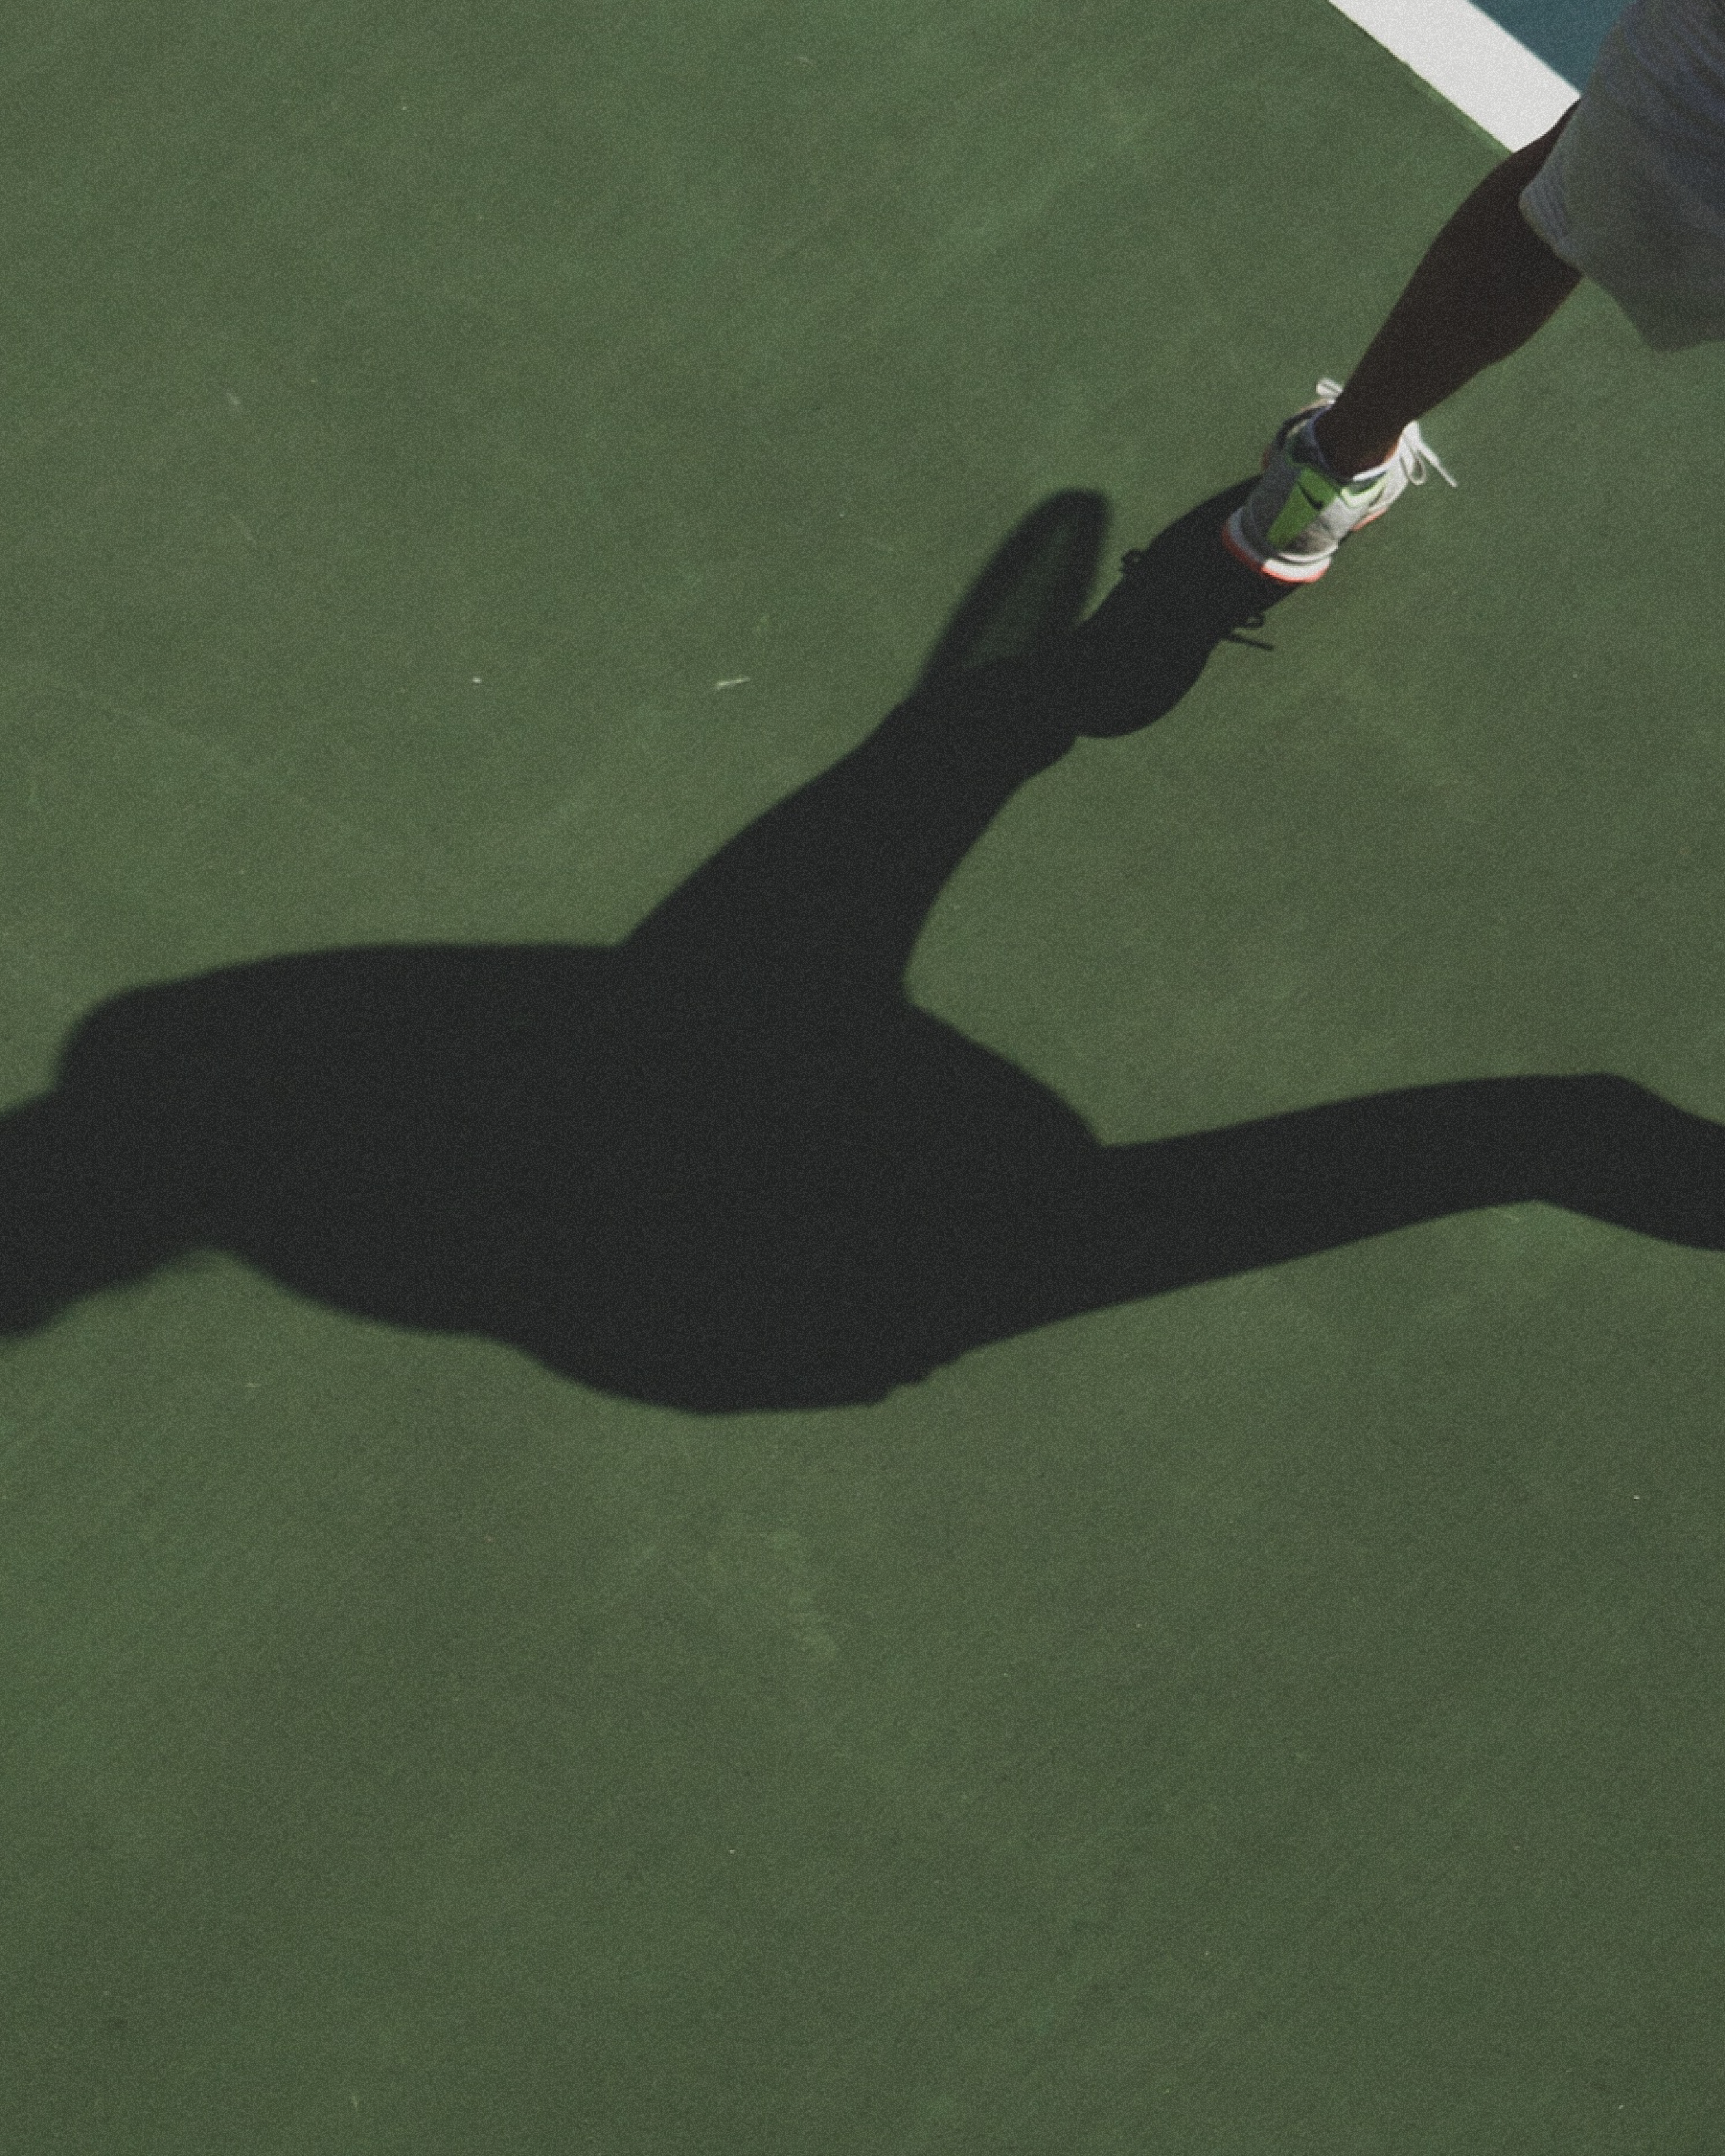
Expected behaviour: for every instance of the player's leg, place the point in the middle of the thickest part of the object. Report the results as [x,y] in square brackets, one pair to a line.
[1487,285]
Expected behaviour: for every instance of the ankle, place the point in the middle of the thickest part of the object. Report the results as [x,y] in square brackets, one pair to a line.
[1345,453]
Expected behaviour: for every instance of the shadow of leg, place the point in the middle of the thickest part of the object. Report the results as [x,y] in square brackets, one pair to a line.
[841,876]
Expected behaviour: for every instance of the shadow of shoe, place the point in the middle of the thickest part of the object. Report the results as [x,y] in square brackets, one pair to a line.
[1019,630]
[1178,598]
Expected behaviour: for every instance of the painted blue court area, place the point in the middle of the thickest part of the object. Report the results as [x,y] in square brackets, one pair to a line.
[1513,67]
[1565,33]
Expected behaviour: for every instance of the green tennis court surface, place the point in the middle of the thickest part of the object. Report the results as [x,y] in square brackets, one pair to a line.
[1280,1716]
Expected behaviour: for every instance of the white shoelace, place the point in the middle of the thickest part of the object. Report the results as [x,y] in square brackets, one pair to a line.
[1412,439]
[1423,454]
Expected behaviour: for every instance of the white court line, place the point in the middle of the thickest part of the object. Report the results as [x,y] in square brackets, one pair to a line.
[1472,61]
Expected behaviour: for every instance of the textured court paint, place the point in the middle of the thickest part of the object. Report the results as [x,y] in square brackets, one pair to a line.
[1279,1718]
[1472,60]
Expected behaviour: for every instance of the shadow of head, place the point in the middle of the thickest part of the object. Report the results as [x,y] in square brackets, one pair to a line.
[726,1165]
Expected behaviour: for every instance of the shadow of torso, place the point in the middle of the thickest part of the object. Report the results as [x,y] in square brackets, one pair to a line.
[708,1193]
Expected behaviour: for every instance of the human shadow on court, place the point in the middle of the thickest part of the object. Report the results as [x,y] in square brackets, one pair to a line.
[725,1164]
